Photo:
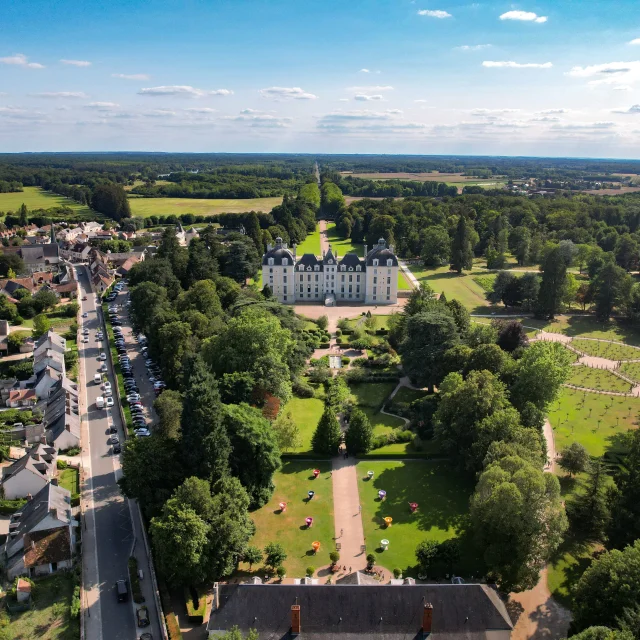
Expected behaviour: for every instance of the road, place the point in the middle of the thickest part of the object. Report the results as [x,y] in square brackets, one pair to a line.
[111,523]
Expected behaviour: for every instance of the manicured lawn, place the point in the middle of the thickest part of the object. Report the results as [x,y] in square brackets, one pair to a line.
[601,379]
[569,563]
[486,281]
[36,198]
[145,207]
[288,528]
[69,479]
[342,245]
[306,413]
[370,398]
[403,283]
[311,244]
[49,618]
[589,327]
[607,350]
[631,370]
[594,420]
[409,395]
[462,288]
[442,494]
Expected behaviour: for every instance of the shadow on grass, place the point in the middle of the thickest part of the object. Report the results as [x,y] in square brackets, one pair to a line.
[570,561]
[577,326]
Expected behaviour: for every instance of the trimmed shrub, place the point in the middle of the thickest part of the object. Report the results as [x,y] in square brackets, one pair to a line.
[301,389]
[134,580]
[338,332]
[173,628]
[10,506]
[324,345]
[61,464]
[310,571]
[345,360]
[397,573]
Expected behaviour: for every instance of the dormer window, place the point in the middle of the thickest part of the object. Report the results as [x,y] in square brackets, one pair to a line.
[342,268]
[329,261]
[358,268]
[308,268]
[285,262]
[389,262]
[301,267]
[270,261]
[316,267]
[350,268]
[375,262]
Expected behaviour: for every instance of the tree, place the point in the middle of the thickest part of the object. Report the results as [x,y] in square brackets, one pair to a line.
[235,634]
[41,324]
[337,394]
[503,281]
[15,340]
[421,299]
[11,261]
[255,456]
[588,511]
[168,407]
[427,336]
[111,199]
[359,434]
[607,588]
[426,553]
[521,240]
[627,252]
[542,370]
[529,290]
[461,249]
[176,345]
[511,335]
[436,246]
[518,519]
[44,299]
[252,555]
[552,287]
[624,500]
[488,357]
[603,633]
[574,459]
[327,435]
[611,288]
[205,443]
[22,214]
[275,555]
[323,322]
[240,260]
[287,432]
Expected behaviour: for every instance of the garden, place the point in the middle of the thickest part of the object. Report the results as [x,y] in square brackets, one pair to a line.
[608,350]
[288,527]
[599,379]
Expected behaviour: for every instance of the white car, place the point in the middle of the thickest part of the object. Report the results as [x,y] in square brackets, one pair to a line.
[133,397]
[142,433]
[103,356]
[85,339]
[85,332]
[85,315]
[97,378]
[107,386]
[110,402]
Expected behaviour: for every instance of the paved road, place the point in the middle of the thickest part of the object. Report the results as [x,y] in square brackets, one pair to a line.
[110,518]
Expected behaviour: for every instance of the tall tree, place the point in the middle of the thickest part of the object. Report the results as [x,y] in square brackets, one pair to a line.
[611,288]
[359,435]
[518,519]
[436,246]
[327,435]
[552,287]
[588,511]
[111,199]
[41,324]
[461,249]
[205,443]
[574,458]
[168,407]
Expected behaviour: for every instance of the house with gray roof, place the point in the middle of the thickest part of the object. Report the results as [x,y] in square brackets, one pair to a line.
[31,473]
[40,257]
[354,611]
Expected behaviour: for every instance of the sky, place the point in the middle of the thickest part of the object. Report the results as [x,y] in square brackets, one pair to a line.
[557,78]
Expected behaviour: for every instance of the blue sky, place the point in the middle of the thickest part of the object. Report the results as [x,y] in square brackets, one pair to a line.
[389,76]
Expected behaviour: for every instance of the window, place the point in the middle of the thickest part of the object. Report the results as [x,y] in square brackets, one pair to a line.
[316,277]
[389,262]
[308,289]
[375,272]
[309,278]
[342,278]
[343,268]
[270,270]
[350,278]
[301,288]
[301,277]
[316,268]
[388,298]
[358,288]
[375,262]
[284,278]
[374,292]
[374,297]
[357,278]
[388,272]
[285,291]
[358,268]
[270,262]
[375,280]
[350,289]
[285,262]
[388,291]
[342,290]
[301,267]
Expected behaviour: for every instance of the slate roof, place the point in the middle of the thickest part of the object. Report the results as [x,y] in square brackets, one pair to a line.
[39,253]
[382,253]
[329,256]
[278,253]
[350,612]
[309,260]
[351,260]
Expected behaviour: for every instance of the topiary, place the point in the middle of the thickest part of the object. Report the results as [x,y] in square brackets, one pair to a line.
[310,571]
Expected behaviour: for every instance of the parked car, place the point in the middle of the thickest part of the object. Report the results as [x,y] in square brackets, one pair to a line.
[85,332]
[113,429]
[142,433]
[122,590]
[97,378]
[107,386]
[85,315]
[116,448]
[85,339]
[114,439]
[110,401]
[103,368]
[103,356]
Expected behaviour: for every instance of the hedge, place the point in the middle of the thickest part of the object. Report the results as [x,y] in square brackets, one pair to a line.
[173,628]
[10,506]
[134,579]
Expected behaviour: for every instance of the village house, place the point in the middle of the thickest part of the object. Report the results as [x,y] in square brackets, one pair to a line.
[61,416]
[42,535]
[40,257]
[29,474]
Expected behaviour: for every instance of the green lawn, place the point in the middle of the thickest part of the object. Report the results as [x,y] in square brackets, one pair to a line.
[589,327]
[311,244]
[442,494]
[486,281]
[370,398]
[631,370]
[600,379]
[607,350]
[594,420]
[145,207]
[306,413]
[462,288]
[409,395]
[288,528]
[36,198]
[49,618]
[568,564]
[69,479]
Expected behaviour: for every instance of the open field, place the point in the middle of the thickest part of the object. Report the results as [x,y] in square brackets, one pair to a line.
[589,327]
[36,198]
[422,177]
[145,207]
[311,244]
[288,528]
[49,619]
[306,413]
[606,349]
[443,498]
[631,370]
[461,287]
[600,379]
[612,192]
[596,421]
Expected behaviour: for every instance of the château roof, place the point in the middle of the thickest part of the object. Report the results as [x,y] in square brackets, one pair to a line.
[382,253]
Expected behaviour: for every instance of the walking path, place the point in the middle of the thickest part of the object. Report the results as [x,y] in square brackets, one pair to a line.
[347,518]
[324,240]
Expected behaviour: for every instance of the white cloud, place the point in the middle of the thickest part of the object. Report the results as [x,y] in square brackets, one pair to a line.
[363,97]
[395,112]
[434,13]
[632,110]
[343,99]
[257,119]
[609,73]
[545,112]
[509,64]
[286,93]
[472,47]
[364,71]
[182,90]
[102,106]
[76,63]
[20,60]
[420,101]
[545,119]
[61,94]
[373,89]
[131,76]
[635,41]
[203,110]
[524,16]
[578,126]
[349,116]
[492,112]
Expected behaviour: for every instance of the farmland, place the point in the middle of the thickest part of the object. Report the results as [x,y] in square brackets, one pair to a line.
[36,198]
[449,178]
[144,207]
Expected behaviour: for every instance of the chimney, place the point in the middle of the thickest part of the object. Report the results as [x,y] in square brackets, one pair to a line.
[365,250]
[295,619]
[427,617]
[29,497]
[216,595]
[54,482]
[35,456]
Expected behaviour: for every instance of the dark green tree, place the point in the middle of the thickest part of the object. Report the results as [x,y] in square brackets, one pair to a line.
[574,459]
[610,288]
[359,434]
[436,246]
[327,435]
[111,200]
[168,407]
[461,248]
[588,511]
[552,287]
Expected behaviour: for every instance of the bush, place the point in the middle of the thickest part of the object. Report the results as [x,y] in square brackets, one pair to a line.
[71,310]
[343,325]
[323,322]
[134,580]
[324,345]
[371,560]
[173,628]
[319,362]
[281,572]
[334,556]
[10,506]
[301,389]
[310,571]
[397,573]
[338,340]
[338,332]
[75,603]
[71,451]
[61,464]
[396,436]
[345,360]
